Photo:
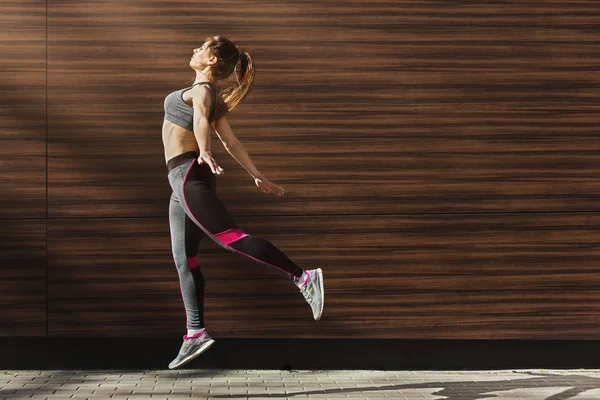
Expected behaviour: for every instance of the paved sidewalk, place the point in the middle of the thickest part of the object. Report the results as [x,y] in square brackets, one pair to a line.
[257,385]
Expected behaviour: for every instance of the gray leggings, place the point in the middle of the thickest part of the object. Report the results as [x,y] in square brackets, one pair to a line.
[194,212]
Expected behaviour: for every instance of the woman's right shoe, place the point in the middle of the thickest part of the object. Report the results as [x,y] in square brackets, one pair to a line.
[314,292]
[191,348]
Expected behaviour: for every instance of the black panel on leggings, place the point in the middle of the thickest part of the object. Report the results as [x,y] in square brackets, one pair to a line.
[199,283]
[199,191]
[264,250]
[200,196]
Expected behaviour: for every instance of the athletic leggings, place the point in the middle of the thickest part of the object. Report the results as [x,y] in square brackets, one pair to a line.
[195,211]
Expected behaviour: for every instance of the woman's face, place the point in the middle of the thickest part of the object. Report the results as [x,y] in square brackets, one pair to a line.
[201,57]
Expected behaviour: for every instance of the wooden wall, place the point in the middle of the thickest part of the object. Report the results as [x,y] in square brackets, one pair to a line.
[440,161]
[23,168]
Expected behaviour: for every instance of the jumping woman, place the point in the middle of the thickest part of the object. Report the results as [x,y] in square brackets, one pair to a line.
[194,208]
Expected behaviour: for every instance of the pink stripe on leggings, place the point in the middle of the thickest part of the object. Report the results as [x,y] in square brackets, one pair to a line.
[210,234]
[192,262]
[231,235]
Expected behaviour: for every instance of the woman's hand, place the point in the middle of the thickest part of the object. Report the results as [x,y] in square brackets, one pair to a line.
[207,158]
[268,187]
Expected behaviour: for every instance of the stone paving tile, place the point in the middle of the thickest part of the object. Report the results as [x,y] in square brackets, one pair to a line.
[254,385]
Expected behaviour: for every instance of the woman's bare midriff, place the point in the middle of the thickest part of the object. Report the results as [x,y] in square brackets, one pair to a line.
[177,140]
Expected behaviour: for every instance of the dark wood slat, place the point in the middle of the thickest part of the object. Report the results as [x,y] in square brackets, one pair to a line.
[22,163]
[23,110]
[398,107]
[85,257]
[441,276]
[22,277]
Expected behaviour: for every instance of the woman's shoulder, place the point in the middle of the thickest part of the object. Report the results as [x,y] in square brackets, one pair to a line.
[201,91]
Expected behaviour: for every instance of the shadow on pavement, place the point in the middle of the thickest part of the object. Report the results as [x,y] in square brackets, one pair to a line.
[463,390]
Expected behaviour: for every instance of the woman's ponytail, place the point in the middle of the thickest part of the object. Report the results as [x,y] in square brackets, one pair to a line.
[230,61]
[245,76]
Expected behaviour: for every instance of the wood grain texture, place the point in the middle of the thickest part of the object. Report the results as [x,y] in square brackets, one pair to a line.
[22,277]
[112,278]
[443,276]
[395,107]
[23,109]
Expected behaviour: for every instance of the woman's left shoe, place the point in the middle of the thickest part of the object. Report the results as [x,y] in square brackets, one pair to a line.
[191,348]
[314,292]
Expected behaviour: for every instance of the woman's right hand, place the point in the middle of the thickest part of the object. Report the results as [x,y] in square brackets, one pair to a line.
[214,167]
[267,186]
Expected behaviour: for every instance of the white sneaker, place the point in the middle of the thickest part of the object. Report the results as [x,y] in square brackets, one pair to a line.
[191,348]
[314,292]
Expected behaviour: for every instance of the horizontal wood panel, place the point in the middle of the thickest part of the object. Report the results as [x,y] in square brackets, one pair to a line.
[22,163]
[22,277]
[23,109]
[440,276]
[398,107]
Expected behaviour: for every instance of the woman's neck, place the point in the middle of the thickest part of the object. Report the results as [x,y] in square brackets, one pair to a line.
[202,76]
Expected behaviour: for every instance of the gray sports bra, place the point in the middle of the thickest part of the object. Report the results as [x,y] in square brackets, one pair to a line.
[180,113]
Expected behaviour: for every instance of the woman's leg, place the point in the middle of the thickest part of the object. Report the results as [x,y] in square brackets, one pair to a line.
[185,239]
[198,192]
[195,186]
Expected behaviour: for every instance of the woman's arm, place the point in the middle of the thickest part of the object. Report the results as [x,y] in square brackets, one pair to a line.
[239,153]
[201,103]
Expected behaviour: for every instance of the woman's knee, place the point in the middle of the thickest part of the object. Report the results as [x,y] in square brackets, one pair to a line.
[185,264]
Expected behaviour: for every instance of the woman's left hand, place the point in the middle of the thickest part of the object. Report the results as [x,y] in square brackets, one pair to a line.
[268,187]
[206,157]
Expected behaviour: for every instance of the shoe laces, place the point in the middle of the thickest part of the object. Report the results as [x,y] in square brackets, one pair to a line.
[185,346]
[308,291]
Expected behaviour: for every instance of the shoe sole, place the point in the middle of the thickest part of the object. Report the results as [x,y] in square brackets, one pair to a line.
[200,350]
[322,288]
